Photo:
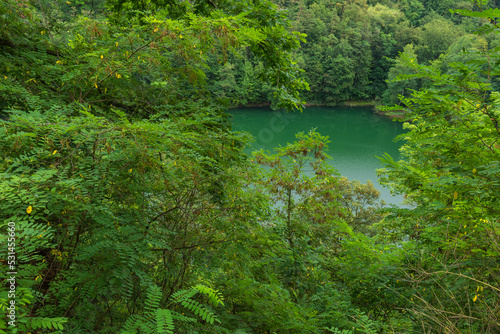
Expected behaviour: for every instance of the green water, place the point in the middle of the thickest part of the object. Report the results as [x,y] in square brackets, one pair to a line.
[357,135]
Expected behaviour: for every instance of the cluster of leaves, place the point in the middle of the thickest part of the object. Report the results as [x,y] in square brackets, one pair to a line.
[450,174]
[142,63]
[107,197]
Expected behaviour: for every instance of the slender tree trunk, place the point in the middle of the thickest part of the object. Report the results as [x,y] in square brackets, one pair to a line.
[289,219]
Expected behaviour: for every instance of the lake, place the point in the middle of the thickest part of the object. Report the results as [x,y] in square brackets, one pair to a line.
[357,135]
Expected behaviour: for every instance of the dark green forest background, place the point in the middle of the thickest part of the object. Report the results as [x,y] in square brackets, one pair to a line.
[353,48]
[128,203]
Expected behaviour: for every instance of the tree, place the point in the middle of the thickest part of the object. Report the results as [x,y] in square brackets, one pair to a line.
[437,37]
[413,9]
[249,87]
[449,175]
[397,86]
[324,262]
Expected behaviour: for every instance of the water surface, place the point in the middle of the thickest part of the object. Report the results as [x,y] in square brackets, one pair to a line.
[357,135]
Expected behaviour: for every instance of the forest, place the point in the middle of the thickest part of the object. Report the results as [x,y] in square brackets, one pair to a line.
[354,47]
[128,203]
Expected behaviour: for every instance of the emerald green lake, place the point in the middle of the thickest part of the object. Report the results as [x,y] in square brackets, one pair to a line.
[357,135]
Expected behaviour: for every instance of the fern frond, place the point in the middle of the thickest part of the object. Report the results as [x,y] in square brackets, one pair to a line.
[164,322]
[48,323]
[388,161]
[181,295]
[132,324]
[198,309]
[153,299]
[368,326]
[338,331]
[181,317]
[214,296]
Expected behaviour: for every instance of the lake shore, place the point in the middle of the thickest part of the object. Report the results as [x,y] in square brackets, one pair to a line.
[393,114]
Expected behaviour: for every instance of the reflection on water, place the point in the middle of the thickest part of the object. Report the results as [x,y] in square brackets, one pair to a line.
[357,135]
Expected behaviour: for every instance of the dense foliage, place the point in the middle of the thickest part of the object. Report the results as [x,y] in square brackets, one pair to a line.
[450,174]
[136,209]
[353,45]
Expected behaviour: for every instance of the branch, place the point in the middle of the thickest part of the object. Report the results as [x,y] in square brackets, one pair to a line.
[468,277]
[6,42]
[155,218]
[192,246]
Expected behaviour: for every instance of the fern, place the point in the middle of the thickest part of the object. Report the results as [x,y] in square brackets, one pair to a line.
[181,295]
[131,325]
[182,317]
[214,296]
[338,331]
[153,299]
[164,322]
[198,309]
[366,325]
[47,323]
[157,320]
[388,161]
